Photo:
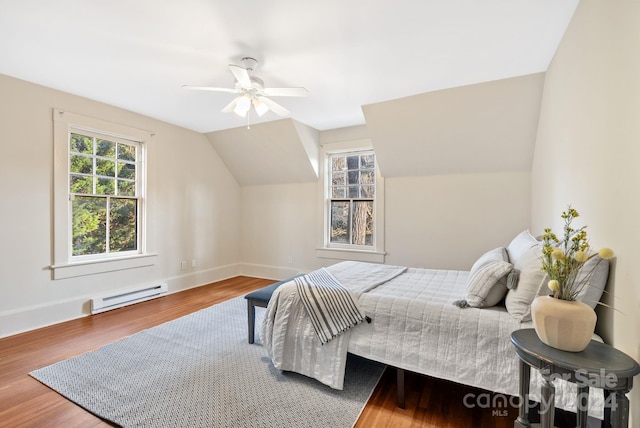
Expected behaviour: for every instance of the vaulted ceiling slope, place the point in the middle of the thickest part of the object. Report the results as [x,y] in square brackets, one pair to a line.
[482,128]
[277,152]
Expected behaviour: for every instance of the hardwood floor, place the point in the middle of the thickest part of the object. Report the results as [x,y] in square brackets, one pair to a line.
[25,402]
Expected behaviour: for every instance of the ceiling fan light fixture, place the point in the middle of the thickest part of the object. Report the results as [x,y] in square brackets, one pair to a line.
[261,108]
[243,104]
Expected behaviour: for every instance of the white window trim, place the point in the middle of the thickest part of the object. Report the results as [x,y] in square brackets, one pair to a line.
[341,252]
[62,266]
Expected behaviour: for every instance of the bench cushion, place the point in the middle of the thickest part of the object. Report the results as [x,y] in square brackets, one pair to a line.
[264,294]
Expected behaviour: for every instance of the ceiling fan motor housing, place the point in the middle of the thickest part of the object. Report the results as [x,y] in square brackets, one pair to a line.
[250,64]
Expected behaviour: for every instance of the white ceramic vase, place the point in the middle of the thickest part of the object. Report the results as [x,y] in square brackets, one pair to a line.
[562,324]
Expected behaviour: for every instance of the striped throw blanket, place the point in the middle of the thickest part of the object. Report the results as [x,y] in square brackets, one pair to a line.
[331,307]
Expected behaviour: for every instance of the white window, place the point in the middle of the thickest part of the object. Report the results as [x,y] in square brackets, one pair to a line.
[104,194]
[100,208]
[352,190]
[353,206]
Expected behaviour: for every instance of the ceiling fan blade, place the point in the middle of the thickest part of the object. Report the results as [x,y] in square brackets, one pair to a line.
[211,88]
[274,107]
[286,92]
[241,75]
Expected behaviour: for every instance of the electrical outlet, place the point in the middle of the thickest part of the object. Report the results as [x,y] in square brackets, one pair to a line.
[290,259]
[183,265]
[194,263]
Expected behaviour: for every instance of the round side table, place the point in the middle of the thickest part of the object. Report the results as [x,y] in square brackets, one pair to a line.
[599,366]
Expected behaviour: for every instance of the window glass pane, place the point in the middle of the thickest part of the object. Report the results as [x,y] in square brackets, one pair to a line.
[367,191]
[81,184]
[367,161]
[340,222]
[353,177]
[126,170]
[353,162]
[105,148]
[353,192]
[81,164]
[81,144]
[367,177]
[89,216]
[337,163]
[105,167]
[122,228]
[337,178]
[126,152]
[126,188]
[105,186]
[338,192]
[362,223]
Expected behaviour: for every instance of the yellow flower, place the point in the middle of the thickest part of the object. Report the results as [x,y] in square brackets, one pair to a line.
[581,256]
[606,253]
[557,254]
[554,285]
[562,258]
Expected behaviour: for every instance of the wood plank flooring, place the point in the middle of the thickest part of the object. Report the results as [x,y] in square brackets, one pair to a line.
[25,402]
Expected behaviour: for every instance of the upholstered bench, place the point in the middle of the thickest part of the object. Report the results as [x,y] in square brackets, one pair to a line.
[260,298]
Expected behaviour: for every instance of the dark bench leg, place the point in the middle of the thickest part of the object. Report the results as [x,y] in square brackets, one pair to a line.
[251,317]
[400,384]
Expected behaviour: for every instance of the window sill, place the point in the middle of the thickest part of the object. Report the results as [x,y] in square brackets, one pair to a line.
[346,254]
[91,267]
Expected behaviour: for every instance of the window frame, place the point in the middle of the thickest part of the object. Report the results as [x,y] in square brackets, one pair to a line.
[326,249]
[65,265]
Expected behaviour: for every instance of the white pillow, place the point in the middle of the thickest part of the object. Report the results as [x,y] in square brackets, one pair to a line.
[532,283]
[520,245]
[487,282]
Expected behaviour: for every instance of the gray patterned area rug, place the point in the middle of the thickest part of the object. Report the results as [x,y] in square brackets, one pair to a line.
[199,371]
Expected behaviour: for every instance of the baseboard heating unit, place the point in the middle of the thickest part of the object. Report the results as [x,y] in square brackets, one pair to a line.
[127,297]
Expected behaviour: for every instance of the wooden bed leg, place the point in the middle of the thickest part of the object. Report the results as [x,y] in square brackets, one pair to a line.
[400,383]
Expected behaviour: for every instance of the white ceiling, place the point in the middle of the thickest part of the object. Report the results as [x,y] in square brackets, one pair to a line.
[136,54]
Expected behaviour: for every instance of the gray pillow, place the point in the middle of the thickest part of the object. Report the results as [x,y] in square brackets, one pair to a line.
[592,291]
[487,282]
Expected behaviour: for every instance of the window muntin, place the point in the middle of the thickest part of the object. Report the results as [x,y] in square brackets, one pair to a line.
[352,188]
[104,195]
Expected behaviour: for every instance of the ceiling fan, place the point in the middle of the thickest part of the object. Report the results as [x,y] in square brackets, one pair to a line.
[252,92]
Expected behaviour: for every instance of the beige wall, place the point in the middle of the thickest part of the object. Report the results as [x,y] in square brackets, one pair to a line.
[448,221]
[278,230]
[588,152]
[444,221]
[196,205]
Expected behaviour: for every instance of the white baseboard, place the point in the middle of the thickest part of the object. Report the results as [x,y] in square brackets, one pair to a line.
[28,318]
[266,271]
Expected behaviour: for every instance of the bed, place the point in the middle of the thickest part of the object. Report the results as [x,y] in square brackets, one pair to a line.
[442,323]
